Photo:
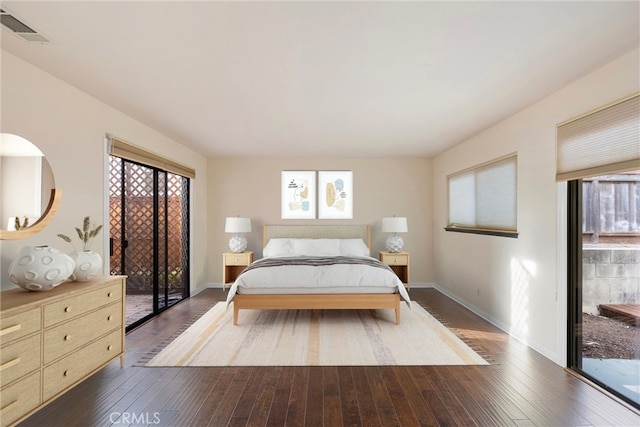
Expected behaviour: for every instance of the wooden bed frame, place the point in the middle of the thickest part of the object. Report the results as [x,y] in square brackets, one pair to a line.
[316,301]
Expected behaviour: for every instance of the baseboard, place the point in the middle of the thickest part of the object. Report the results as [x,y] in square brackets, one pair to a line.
[423,285]
[195,292]
[502,326]
[210,285]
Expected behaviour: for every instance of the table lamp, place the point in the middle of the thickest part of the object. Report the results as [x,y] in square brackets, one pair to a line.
[237,225]
[394,225]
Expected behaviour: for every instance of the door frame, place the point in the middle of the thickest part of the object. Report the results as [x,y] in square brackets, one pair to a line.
[574,288]
[574,275]
[186,291]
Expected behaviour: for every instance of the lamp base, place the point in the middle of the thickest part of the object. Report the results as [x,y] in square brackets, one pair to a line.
[238,243]
[394,243]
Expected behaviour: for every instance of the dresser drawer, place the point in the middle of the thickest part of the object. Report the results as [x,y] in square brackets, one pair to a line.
[19,325]
[74,306]
[71,335]
[66,372]
[19,399]
[19,358]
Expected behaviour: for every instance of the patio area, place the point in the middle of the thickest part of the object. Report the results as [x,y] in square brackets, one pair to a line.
[140,306]
[137,307]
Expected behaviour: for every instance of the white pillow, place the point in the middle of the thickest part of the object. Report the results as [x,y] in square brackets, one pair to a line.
[316,247]
[353,247]
[283,247]
[278,248]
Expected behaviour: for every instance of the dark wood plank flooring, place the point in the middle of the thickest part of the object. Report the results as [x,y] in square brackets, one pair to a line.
[522,388]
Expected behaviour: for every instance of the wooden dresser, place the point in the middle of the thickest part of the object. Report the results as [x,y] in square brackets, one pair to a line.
[52,340]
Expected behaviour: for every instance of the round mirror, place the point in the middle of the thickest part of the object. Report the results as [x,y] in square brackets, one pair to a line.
[28,197]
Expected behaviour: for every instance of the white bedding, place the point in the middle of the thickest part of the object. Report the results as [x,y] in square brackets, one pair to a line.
[305,279]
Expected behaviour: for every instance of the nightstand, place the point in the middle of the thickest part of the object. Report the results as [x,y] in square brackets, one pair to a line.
[399,263]
[233,264]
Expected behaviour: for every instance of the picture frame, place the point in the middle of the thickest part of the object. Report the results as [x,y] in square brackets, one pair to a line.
[335,194]
[298,194]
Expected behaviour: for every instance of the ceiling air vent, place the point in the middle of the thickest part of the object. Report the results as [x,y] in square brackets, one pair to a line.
[21,29]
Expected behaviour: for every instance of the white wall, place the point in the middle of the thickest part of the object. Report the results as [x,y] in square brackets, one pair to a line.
[515,282]
[382,187]
[69,126]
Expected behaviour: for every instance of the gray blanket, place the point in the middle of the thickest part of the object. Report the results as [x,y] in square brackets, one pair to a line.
[315,262]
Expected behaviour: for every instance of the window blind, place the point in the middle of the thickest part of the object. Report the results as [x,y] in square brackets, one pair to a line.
[125,150]
[484,197]
[601,142]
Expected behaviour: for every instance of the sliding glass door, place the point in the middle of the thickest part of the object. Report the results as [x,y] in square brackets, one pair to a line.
[149,232]
[604,281]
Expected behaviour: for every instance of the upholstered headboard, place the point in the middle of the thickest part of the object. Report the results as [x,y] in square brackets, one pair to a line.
[317,232]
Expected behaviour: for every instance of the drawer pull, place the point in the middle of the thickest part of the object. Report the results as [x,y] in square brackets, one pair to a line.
[109,318]
[109,294]
[66,373]
[67,309]
[10,363]
[67,337]
[109,347]
[10,329]
[9,406]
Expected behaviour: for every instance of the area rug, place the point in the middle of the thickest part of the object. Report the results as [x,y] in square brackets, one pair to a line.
[316,338]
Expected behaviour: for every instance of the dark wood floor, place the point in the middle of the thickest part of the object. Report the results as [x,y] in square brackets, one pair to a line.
[522,388]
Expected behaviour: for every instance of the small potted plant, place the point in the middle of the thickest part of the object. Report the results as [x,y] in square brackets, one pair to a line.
[88,262]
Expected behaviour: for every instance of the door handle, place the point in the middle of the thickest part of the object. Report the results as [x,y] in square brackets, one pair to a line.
[125,245]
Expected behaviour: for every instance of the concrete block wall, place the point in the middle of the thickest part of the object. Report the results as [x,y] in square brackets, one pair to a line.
[610,276]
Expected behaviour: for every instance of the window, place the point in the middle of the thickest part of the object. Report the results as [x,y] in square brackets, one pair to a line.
[482,199]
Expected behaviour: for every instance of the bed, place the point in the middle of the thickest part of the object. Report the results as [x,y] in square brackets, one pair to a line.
[317,267]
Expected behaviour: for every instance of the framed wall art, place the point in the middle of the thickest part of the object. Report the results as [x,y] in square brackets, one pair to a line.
[335,194]
[298,189]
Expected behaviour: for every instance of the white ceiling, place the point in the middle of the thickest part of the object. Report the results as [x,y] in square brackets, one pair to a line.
[331,79]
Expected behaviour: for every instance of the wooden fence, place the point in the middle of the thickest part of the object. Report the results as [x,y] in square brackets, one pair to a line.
[611,208]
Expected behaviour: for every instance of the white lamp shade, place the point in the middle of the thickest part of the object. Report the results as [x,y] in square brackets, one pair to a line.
[237,225]
[396,224]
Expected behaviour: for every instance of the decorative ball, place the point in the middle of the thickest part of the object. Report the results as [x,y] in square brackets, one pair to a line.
[394,243]
[238,243]
[40,268]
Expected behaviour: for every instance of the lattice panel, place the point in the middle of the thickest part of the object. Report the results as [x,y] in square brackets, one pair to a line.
[176,238]
[115,214]
[139,220]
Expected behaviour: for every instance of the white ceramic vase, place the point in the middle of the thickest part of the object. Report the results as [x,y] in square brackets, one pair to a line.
[40,268]
[88,264]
